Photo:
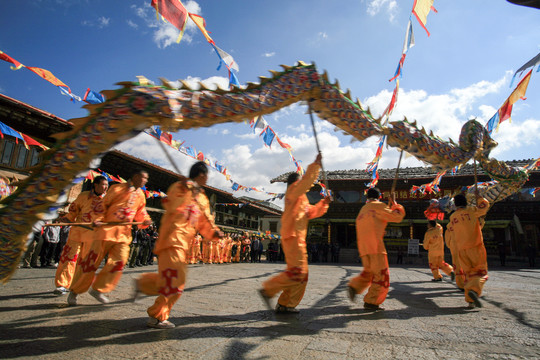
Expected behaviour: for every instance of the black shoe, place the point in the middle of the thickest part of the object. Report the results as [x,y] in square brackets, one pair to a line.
[351,293]
[453,276]
[265,298]
[372,307]
[439,279]
[280,309]
[474,296]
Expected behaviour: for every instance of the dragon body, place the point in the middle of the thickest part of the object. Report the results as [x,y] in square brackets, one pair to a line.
[132,108]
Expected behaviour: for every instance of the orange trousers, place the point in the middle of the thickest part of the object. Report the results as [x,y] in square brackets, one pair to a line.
[436,263]
[108,277]
[375,276]
[168,283]
[207,253]
[68,262]
[473,261]
[293,280]
[460,275]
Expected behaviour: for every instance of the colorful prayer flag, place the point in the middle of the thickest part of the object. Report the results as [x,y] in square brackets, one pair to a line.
[174,12]
[6,57]
[201,24]
[421,9]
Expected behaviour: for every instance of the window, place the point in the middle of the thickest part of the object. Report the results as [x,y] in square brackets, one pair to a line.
[7,152]
[21,157]
[272,225]
[34,157]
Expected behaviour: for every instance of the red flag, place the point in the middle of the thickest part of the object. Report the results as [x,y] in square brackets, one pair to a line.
[166,138]
[505,112]
[6,57]
[174,12]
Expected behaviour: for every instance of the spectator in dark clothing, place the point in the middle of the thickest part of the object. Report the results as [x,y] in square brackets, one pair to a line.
[335,252]
[51,237]
[399,255]
[531,254]
[324,251]
[502,253]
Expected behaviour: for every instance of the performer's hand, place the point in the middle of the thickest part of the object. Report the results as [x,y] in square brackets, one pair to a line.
[147,222]
[328,199]
[219,234]
[97,223]
[318,159]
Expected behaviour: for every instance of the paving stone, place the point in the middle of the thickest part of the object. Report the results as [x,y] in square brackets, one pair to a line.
[220,316]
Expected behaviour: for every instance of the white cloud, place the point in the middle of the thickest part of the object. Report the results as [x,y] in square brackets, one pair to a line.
[103,22]
[388,6]
[100,23]
[269,54]
[132,24]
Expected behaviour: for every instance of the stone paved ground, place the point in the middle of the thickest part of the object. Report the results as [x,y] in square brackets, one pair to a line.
[220,316]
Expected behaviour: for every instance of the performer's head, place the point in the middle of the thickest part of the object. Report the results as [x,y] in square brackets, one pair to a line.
[199,173]
[373,194]
[460,200]
[139,178]
[432,223]
[100,185]
[292,178]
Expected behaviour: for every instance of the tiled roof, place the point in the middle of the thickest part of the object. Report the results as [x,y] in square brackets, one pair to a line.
[404,173]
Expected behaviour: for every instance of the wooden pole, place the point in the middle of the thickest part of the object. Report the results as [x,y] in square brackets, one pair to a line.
[325,180]
[394,183]
[112,223]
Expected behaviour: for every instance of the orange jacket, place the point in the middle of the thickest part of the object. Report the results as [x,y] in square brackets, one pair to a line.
[371,223]
[83,210]
[433,241]
[298,211]
[466,225]
[187,212]
[123,203]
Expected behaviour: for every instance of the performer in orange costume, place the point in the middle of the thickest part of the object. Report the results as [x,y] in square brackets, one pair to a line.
[195,249]
[123,203]
[370,225]
[470,244]
[216,251]
[207,253]
[434,244]
[238,244]
[79,240]
[451,244]
[187,212]
[294,223]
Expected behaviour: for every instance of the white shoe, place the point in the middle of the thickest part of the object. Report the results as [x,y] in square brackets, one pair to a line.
[101,297]
[72,298]
[60,291]
[156,324]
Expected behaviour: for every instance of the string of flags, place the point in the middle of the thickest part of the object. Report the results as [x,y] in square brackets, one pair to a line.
[177,15]
[158,133]
[27,140]
[420,10]
[502,114]
[90,97]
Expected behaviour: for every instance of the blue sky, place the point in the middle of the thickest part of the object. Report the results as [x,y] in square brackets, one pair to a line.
[461,71]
